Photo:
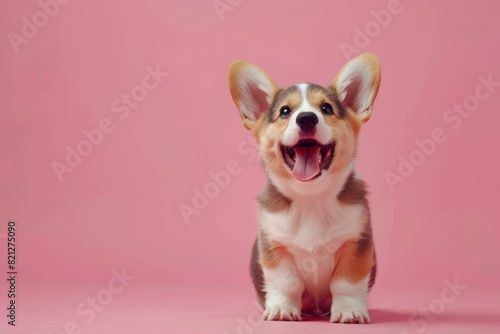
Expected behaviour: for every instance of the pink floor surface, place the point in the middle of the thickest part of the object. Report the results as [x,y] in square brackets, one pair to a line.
[53,310]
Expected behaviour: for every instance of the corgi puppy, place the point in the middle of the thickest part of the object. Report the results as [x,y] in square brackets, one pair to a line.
[314,252]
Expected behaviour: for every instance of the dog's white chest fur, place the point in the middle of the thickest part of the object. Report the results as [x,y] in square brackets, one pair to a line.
[311,223]
[313,230]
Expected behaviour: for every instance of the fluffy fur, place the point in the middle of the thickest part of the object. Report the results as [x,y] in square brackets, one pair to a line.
[314,252]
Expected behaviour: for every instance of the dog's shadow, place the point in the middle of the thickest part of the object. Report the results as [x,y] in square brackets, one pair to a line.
[379,316]
[389,316]
[376,316]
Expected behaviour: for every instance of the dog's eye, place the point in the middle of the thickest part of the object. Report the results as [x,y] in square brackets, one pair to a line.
[285,111]
[327,108]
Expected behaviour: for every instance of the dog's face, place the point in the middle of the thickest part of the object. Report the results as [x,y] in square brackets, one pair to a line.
[306,133]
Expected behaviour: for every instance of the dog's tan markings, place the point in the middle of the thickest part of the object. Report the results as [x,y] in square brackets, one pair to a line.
[351,264]
[291,97]
[316,95]
[294,100]
[354,191]
[278,100]
[270,252]
[272,200]
[354,122]
[356,258]
[257,129]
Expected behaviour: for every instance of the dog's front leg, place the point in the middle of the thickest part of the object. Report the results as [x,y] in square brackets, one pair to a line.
[283,287]
[354,269]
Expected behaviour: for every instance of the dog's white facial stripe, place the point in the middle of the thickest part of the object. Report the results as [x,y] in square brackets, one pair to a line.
[323,131]
[305,103]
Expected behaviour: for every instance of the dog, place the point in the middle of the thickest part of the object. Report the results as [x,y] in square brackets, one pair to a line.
[314,253]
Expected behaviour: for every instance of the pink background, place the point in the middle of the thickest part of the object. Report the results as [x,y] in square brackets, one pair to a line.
[119,208]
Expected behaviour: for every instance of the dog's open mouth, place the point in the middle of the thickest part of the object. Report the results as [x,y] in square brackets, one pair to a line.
[308,158]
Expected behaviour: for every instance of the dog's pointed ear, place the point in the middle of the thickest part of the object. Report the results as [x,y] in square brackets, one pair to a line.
[357,85]
[252,90]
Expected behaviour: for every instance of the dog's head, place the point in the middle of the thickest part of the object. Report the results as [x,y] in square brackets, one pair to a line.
[306,133]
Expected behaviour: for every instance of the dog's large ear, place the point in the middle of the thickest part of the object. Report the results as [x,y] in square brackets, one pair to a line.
[357,85]
[252,90]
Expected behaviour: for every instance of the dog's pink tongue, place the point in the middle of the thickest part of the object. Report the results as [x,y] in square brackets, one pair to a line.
[306,163]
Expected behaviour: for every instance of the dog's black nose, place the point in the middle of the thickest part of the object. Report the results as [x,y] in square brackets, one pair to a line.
[307,120]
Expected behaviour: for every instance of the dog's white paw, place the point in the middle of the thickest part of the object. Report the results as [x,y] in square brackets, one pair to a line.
[350,316]
[282,313]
